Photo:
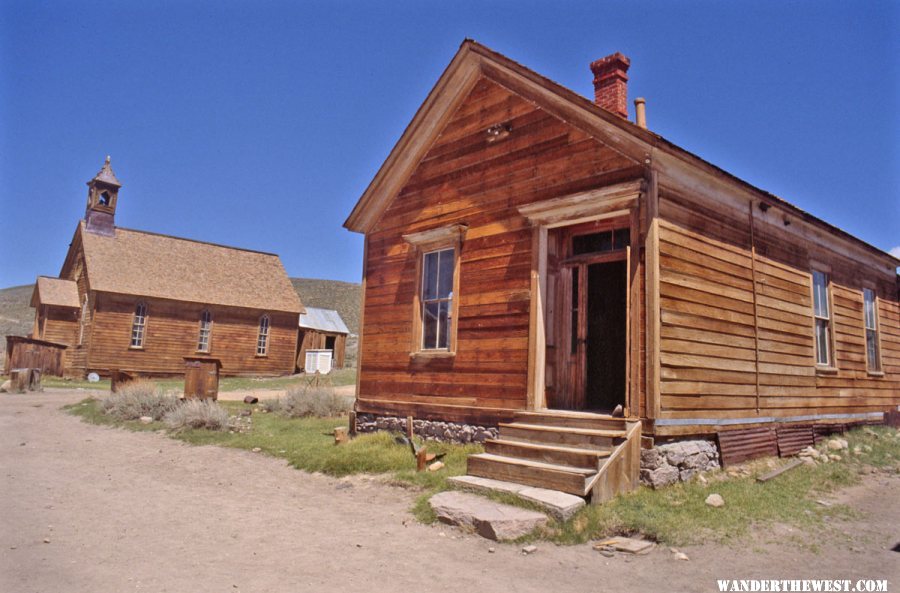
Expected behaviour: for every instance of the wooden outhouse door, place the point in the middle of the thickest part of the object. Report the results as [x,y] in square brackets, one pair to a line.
[591,319]
[201,378]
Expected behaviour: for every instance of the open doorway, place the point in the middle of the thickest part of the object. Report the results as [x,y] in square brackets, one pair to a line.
[587,343]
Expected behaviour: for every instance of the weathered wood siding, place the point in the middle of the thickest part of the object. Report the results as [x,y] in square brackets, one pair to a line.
[464,179]
[172,332]
[712,326]
[58,325]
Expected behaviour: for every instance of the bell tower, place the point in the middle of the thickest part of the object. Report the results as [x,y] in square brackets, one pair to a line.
[103,191]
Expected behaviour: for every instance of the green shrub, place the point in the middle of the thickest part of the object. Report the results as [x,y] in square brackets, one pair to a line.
[195,413]
[136,399]
[320,402]
[271,405]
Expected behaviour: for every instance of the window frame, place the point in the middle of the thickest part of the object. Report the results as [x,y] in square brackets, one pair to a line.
[424,243]
[876,369]
[831,364]
[205,317]
[142,328]
[263,333]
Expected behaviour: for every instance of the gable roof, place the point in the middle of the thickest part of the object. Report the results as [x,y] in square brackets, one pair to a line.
[474,61]
[55,292]
[323,320]
[159,266]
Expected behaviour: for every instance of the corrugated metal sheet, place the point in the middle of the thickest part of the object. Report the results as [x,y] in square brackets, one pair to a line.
[793,439]
[323,320]
[747,443]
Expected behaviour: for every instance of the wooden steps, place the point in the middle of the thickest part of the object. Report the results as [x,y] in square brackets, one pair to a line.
[573,452]
[571,456]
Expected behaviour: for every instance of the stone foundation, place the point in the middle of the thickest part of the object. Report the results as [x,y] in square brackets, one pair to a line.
[432,430]
[677,462]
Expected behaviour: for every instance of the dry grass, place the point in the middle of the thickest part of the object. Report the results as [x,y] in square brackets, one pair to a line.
[195,414]
[318,402]
[136,399]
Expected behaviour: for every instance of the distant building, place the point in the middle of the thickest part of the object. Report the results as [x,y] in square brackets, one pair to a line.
[322,329]
[140,302]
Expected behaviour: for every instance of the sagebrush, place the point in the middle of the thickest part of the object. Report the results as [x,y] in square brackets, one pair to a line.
[320,402]
[136,399]
[197,414]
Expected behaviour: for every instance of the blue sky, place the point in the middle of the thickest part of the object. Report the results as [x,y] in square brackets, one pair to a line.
[259,124]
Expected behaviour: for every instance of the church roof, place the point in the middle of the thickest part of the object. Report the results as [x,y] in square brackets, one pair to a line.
[55,292]
[159,266]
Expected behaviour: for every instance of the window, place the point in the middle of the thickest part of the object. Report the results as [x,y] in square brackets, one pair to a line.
[262,339]
[822,314]
[205,330]
[870,314]
[138,325]
[601,242]
[104,198]
[437,298]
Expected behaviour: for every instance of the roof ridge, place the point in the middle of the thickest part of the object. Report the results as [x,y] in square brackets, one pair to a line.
[222,245]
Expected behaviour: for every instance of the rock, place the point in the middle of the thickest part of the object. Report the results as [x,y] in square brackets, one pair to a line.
[857,451]
[256,449]
[246,413]
[436,466]
[681,556]
[7,385]
[46,540]
[529,550]
[650,458]
[834,457]
[686,474]
[491,550]
[702,479]
[146,419]
[487,518]
[624,544]
[558,504]
[715,500]
[837,444]
[606,552]
[251,400]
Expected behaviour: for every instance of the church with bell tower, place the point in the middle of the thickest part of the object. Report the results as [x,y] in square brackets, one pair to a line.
[141,302]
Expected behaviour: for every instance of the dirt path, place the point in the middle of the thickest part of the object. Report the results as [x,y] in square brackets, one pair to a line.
[128,511]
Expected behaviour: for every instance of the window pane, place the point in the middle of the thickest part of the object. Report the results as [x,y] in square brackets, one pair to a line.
[430,325]
[593,243]
[822,356]
[872,350]
[444,325]
[430,276]
[869,298]
[445,274]
[820,294]
[622,238]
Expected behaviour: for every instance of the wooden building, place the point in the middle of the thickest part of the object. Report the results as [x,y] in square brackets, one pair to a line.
[322,329]
[532,256]
[141,302]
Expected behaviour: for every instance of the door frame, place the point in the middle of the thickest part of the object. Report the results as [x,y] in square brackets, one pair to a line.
[613,201]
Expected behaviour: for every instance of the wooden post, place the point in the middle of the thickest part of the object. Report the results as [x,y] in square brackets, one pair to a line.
[409,427]
[352,423]
[755,301]
[421,459]
[340,435]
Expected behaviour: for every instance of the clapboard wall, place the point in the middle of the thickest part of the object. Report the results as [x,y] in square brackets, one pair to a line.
[736,320]
[172,332]
[464,179]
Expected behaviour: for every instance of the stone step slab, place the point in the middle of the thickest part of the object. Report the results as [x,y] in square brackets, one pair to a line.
[560,505]
[493,520]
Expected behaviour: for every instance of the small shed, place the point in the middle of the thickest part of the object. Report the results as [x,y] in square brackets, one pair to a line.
[201,377]
[322,329]
[28,353]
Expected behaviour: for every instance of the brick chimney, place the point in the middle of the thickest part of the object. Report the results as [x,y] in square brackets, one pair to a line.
[611,83]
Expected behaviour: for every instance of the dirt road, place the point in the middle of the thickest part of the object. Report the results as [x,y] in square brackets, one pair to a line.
[123,511]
